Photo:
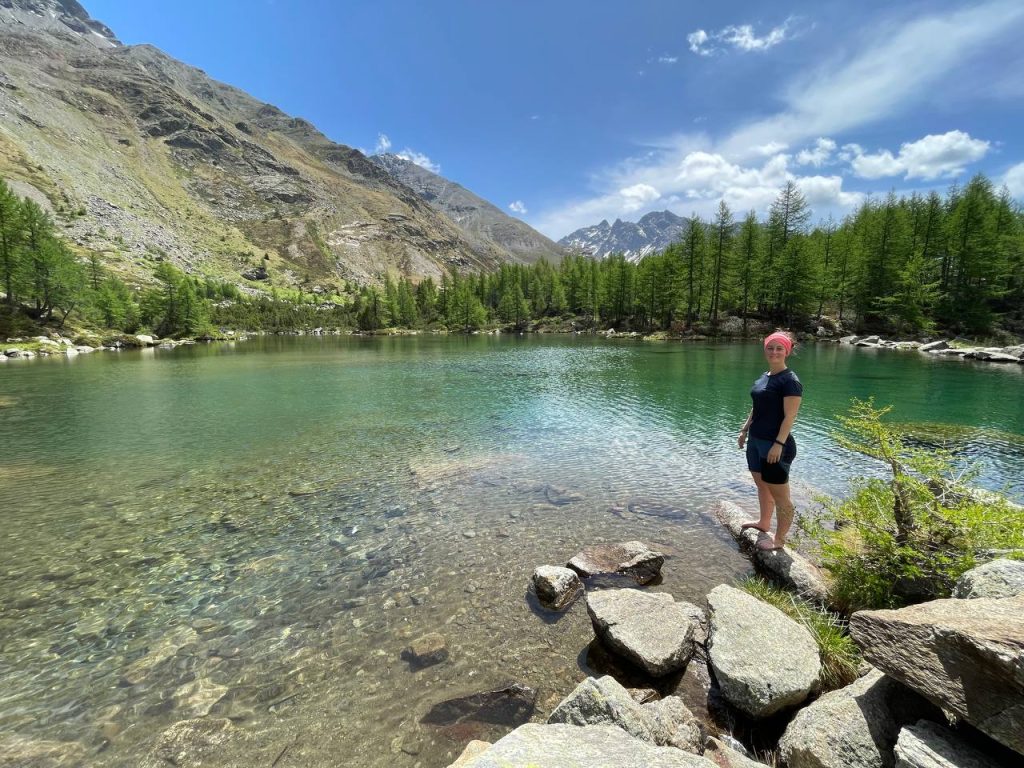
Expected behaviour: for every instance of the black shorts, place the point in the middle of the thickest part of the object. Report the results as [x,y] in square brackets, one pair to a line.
[757,454]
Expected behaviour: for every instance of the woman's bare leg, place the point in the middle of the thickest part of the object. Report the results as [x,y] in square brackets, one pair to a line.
[784,507]
[765,503]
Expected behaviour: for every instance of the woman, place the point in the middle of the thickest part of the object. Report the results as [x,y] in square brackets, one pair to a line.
[770,446]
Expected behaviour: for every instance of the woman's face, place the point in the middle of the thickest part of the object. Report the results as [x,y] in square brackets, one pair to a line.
[775,352]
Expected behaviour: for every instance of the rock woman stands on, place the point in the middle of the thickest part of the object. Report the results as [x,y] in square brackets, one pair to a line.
[769,442]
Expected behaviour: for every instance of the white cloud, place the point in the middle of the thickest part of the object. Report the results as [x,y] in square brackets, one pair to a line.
[882,78]
[1014,180]
[383,146]
[637,196]
[420,159]
[901,66]
[819,155]
[698,41]
[740,37]
[743,37]
[876,166]
[771,148]
[933,157]
[827,192]
[516,206]
[668,59]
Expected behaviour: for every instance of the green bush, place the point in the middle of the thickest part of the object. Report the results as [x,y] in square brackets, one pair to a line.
[909,537]
[839,656]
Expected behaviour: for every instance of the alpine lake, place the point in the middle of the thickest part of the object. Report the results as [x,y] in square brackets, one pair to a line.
[255,531]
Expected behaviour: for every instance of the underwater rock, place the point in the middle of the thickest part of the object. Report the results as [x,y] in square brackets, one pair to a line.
[511,705]
[630,558]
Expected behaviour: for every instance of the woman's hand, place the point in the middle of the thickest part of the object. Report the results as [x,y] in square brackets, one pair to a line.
[774,454]
[741,438]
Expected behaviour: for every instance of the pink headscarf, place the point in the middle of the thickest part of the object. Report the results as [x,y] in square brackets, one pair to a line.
[782,339]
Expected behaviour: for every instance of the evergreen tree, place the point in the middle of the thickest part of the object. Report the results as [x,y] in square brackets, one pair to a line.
[723,243]
[787,219]
[10,240]
[749,256]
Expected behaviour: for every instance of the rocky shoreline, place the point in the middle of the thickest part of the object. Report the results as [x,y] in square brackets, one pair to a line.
[943,348]
[731,329]
[942,688]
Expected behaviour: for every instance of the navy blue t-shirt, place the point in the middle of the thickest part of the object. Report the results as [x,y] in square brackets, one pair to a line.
[767,394]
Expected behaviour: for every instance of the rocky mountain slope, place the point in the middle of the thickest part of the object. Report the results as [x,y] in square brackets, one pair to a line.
[483,223]
[654,232]
[142,158]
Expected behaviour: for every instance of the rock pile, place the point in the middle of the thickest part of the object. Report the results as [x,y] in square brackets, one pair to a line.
[957,658]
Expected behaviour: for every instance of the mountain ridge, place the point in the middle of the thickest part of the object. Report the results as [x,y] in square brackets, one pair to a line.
[478,218]
[142,157]
[653,232]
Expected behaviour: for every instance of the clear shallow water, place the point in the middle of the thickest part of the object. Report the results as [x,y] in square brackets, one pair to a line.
[258,530]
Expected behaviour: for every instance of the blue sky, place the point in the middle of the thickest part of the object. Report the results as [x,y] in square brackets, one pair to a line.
[564,113]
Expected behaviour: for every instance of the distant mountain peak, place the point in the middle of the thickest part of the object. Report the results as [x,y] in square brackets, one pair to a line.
[60,17]
[654,232]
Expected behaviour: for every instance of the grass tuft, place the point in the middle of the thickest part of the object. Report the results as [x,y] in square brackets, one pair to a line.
[840,658]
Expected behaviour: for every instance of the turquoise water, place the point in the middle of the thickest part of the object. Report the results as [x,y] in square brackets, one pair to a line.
[255,531]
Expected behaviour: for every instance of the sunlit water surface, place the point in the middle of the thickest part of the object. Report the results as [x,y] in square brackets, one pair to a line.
[256,531]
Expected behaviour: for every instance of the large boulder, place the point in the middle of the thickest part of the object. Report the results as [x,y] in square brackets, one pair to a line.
[762,659]
[630,558]
[603,701]
[853,727]
[650,629]
[998,578]
[570,746]
[934,345]
[929,745]
[966,656]
[556,587]
[782,566]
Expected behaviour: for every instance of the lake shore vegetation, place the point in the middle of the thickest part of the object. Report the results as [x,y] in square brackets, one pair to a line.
[908,536]
[910,266]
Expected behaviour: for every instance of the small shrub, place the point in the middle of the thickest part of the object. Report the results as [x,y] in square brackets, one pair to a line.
[907,538]
[840,658]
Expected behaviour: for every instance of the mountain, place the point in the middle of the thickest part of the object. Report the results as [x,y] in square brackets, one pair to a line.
[141,157]
[654,232]
[482,222]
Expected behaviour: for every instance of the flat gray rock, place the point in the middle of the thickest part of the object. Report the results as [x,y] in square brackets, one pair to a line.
[556,587]
[762,659]
[929,745]
[998,578]
[650,629]
[853,727]
[570,746]
[966,656]
[934,345]
[784,566]
[603,701]
[630,558]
